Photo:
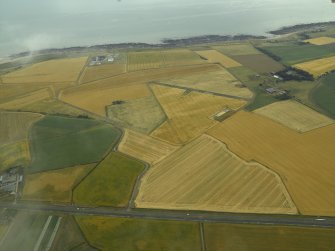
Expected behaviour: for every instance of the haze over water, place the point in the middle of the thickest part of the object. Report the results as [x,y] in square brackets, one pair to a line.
[39,24]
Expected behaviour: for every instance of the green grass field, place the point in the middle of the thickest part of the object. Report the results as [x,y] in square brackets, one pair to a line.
[140,235]
[294,54]
[324,95]
[264,238]
[110,183]
[59,142]
[69,237]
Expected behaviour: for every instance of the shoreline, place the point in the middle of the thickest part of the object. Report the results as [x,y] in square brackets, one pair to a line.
[168,43]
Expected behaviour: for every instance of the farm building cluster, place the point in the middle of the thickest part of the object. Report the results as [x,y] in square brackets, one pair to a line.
[10,181]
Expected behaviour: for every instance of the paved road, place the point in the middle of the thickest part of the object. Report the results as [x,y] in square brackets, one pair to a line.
[287,220]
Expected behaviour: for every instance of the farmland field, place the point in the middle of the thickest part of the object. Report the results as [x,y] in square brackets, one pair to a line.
[189,114]
[70,237]
[140,235]
[157,59]
[8,91]
[300,90]
[295,115]
[93,73]
[14,154]
[318,67]
[52,71]
[293,54]
[55,107]
[142,115]
[14,126]
[259,63]
[59,142]
[218,80]
[292,155]
[125,87]
[54,186]
[24,232]
[110,183]
[205,175]
[145,60]
[27,99]
[323,95]
[230,237]
[321,40]
[144,147]
[214,56]
[237,49]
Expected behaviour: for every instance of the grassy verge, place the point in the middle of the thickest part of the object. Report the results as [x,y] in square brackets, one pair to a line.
[110,183]
[140,235]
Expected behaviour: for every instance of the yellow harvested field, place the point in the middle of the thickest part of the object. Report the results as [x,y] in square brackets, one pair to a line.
[94,99]
[14,154]
[54,186]
[157,59]
[189,113]
[14,126]
[93,73]
[214,56]
[305,161]
[321,40]
[205,175]
[9,91]
[144,60]
[294,115]
[52,71]
[144,147]
[27,99]
[218,80]
[317,67]
[181,57]
[95,96]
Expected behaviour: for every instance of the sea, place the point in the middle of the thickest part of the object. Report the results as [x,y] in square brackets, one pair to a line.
[28,25]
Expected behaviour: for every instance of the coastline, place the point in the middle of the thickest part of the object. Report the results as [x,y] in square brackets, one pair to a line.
[165,44]
[300,27]
[168,43]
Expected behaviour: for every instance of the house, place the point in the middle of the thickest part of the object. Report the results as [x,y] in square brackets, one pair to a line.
[271,90]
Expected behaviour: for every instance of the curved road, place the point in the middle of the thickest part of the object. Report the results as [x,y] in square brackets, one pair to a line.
[213,217]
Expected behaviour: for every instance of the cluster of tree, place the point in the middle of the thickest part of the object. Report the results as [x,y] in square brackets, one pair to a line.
[271,55]
[284,96]
[118,102]
[304,36]
[291,73]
